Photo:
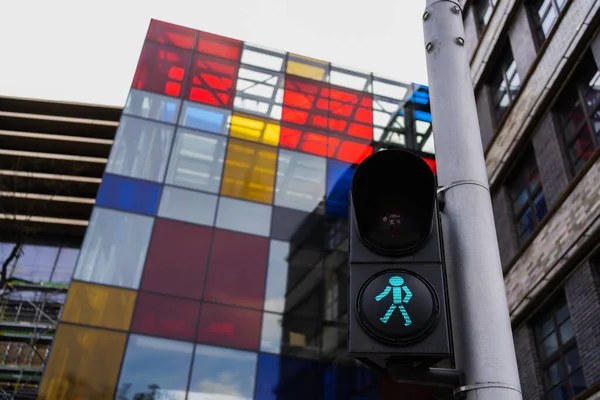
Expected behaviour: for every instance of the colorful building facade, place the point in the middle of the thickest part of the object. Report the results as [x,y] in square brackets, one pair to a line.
[214,265]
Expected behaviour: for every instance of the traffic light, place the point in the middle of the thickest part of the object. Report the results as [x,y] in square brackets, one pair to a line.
[398,312]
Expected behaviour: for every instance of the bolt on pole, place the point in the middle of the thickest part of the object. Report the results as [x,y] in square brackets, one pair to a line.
[483,341]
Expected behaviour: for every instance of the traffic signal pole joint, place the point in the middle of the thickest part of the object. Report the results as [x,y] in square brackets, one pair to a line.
[483,343]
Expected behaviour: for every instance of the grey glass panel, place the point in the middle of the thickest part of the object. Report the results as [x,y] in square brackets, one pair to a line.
[114,249]
[388,88]
[220,373]
[244,216]
[277,275]
[65,265]
[197,161]
[155,368]
[188,206]
[152,106]
[300,180]
[141,149]
[205,118]
[339,76]
[259,92]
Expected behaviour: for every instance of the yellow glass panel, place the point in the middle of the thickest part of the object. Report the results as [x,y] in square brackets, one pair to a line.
[97,305]
[249,171]
[83,364]
[306,67]
[255,129]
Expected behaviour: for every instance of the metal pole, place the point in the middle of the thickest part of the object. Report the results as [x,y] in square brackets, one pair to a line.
[483,341]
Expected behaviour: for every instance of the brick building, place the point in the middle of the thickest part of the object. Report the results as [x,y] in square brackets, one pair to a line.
[535,69]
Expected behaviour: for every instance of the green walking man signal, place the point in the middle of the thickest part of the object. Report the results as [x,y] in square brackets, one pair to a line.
[396,287]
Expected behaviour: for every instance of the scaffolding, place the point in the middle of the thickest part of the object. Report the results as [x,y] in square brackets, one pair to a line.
[28,318]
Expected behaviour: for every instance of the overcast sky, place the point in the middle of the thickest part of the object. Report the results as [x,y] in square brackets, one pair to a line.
[84,51]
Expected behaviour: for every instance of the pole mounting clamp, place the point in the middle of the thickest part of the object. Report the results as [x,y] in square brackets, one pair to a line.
[476,386]
[441,196]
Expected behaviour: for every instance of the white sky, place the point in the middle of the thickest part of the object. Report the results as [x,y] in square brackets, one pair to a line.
[84,51]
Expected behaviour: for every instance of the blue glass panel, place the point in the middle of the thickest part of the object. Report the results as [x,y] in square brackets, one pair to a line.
[128,194]
[339,181]
[283,378]
[349,382]
[204,118]
[420,97]
[423,116]
[541,209]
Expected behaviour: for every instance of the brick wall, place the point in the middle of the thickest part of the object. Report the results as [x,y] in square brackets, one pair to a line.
[529,367]
[583,297]
[521,42]
[550,160]
[566,231]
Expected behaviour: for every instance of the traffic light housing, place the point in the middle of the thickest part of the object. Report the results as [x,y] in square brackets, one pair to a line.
[398,311]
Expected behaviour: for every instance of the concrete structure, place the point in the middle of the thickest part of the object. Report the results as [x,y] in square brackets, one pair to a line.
[534,66]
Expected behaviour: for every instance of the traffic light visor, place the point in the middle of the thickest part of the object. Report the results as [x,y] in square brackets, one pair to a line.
[393,195]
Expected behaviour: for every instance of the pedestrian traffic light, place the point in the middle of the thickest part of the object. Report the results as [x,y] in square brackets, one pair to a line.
[398,312]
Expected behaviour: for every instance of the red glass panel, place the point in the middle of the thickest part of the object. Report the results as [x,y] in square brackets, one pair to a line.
[177,259]
[161,69]
[229,326]
[303,139]
[174,35]
[212,81]
[165,316]
[305,102]
[351,113]
[237,269]
[351,151]
[219,46]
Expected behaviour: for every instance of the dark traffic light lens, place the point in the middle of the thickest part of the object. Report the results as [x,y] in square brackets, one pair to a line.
[393,194]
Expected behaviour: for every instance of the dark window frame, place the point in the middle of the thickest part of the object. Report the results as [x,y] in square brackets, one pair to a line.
[551,314]
[483,10]
[502,83]
[576,114]
[556,6]
[520,179]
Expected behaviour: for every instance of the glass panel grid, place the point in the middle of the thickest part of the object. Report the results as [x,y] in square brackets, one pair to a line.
[259,91]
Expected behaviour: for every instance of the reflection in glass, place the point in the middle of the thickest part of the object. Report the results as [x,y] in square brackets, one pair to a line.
[65,265]
[290,335]
[152,106]
[229,326]
[155,369]
[204,118]
[197,161]
[141,149]
[188,206]
[35,263]
[300,180]
[277,276]
[114,249]
[244,216]
[220,373]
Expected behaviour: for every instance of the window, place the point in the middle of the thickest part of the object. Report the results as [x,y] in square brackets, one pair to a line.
[114,249]
[243,216]
[579,111]
[197,161]
[557,349]
[229,326]
[483,12]
[527,196]
[505,83]
[141,149]
[545,15]
[188,206]
[220,373]
[155,368]
[128,194]
[300,180]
